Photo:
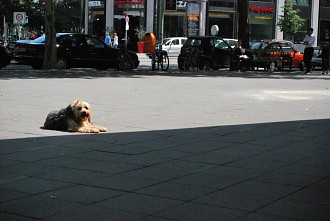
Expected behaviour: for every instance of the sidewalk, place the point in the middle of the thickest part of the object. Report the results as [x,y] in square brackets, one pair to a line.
[178,148]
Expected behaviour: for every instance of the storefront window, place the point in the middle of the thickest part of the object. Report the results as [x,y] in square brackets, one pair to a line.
[174,21]
[222,13]
[135,10]
[325,3]
[261,19]
[301,2]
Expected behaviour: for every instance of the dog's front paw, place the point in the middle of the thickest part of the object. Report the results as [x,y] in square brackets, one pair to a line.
[88,130]
[102,129]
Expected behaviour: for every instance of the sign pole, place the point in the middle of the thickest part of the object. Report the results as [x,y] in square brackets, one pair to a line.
[4,27]
[126,27]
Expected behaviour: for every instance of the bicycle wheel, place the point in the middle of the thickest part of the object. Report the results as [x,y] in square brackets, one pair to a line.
[186,63]
[154,62]
[164,63]
[125,62]
[194,60]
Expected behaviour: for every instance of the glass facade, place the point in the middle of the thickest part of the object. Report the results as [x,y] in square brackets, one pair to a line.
[224,13]
[261,20]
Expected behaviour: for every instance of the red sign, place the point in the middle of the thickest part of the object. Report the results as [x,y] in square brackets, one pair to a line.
[128,2]
[262,9]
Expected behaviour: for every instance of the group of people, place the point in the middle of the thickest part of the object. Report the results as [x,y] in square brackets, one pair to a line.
[108,41]
[309,42]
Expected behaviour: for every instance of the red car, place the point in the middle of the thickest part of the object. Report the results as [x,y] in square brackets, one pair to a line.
[277,50]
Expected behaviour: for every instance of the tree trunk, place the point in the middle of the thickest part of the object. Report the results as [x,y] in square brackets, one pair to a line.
[50,41]
[243,22]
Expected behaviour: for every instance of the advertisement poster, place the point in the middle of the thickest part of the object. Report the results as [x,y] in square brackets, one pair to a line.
[192,19]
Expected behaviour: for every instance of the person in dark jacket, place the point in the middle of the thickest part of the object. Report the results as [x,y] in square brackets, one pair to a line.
[325,47]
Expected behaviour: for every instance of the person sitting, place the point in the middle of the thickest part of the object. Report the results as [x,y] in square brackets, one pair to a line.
[243,56]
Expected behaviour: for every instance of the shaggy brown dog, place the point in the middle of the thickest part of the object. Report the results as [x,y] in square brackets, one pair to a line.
[76,118]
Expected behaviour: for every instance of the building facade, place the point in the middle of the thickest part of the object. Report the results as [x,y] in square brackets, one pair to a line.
[154,16]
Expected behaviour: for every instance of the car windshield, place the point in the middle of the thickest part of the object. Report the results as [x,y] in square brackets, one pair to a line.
[259,45]
[166,41]
[219,43]
[193,42]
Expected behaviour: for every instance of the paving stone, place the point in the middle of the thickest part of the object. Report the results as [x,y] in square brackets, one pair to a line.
[263,189]
[33,185]
[263,217]
[233,200]
[297,210]
[83,194]
[176,191]
[208,180]
[122,183]
[87,213]
[196,212]
[139,203]
[287,179]
[37,206]
[13,217]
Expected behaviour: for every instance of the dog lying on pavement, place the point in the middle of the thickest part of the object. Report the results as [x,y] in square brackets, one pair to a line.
[75,118]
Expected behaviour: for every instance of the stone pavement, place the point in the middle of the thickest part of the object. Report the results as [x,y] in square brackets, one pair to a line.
[180,146]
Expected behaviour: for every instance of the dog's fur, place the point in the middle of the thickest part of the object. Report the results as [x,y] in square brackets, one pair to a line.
[76,118]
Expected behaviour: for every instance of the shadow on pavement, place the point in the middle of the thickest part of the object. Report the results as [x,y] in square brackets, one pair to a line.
[269,171]
[140,73]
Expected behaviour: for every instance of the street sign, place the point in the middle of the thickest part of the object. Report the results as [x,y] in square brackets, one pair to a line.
[19,18]
[127,23]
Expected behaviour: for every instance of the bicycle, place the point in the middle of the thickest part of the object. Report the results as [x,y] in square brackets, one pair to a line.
[159,59]
[125,61]
[191,60]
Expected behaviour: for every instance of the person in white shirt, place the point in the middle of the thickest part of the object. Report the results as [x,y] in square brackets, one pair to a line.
[115,41]
[309,42]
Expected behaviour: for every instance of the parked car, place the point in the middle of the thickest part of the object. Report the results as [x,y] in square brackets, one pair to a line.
[76,50]
[11,45]
[277,49]
[173,45]
[213,52]
[4,57]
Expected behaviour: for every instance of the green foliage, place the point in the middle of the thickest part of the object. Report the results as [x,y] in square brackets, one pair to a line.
[290,22]
[68,13]
[33,10]
[140,32]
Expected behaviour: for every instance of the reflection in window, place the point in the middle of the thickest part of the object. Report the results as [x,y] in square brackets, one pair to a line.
[301,2]
[325,3]
[94,42]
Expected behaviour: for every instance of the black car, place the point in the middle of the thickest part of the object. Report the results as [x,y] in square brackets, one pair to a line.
[210,51]
[76,50]
[4,57]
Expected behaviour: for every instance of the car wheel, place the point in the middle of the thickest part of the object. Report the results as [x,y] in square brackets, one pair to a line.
[125,62]
[61,64]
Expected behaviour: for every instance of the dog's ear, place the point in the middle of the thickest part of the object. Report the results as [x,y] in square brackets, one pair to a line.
[74,103]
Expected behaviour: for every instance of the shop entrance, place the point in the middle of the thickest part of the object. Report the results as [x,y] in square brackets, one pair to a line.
[119,27]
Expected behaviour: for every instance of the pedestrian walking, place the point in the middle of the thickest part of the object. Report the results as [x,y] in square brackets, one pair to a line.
[107,39]
[325,47]
[309,42]
[115,40]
